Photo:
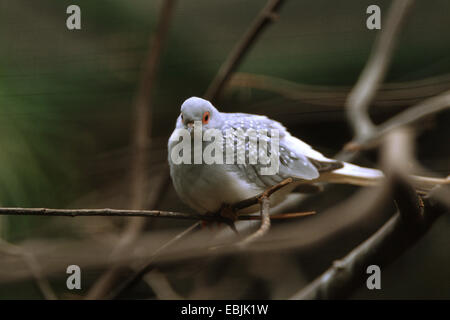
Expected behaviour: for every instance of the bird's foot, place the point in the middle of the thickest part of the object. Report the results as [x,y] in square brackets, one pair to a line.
[228,212]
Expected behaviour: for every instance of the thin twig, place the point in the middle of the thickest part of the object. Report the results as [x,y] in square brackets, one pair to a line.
[267,15]
[257,199]
[103,212]
[278,216]
[265,224]
[264,201]
[47,212]
[148,266]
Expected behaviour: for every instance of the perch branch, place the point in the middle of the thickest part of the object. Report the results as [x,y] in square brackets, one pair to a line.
[265,213]
[103,212]
[257,199]
[264,18]
[265,224]
[46,212]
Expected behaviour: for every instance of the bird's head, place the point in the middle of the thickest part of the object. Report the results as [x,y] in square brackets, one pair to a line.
[196,110]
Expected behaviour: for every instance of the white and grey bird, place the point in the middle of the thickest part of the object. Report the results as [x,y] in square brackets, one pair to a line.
[207,187]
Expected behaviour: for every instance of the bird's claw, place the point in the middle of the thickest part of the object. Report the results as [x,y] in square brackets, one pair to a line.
[230,214]
[226,214]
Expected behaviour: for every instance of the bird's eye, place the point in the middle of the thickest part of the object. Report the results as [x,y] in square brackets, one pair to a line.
[182,119]
[205,117]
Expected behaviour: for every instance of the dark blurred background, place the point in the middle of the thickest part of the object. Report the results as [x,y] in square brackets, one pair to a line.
[66,116]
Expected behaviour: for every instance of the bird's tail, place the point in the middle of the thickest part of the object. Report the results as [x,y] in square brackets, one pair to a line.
[361,176]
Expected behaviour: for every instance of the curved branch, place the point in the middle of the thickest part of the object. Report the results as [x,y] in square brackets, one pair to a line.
[265,213]
[394,238]
[410,116]
[415,113]
[389,94]
[265,224]
[361,96]
[401,232]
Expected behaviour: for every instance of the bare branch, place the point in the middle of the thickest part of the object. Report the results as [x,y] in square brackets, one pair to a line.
[392,240]
[267,15]
[265,224]
[102,212]
[278,216]
[265,214]
[257,199]
[399,234]
[142,118]
[47,212]
[361,96]
[148,266]
[389,94]
[414,114]
[143,109]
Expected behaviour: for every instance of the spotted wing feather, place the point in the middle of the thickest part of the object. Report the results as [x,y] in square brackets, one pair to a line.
[291,163]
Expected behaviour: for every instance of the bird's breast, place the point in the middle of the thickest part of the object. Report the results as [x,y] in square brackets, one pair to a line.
[207,187]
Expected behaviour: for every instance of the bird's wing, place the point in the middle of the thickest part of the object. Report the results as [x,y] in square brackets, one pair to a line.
[291,162]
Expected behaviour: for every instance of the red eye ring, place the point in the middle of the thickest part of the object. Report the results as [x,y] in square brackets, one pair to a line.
[206,117]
